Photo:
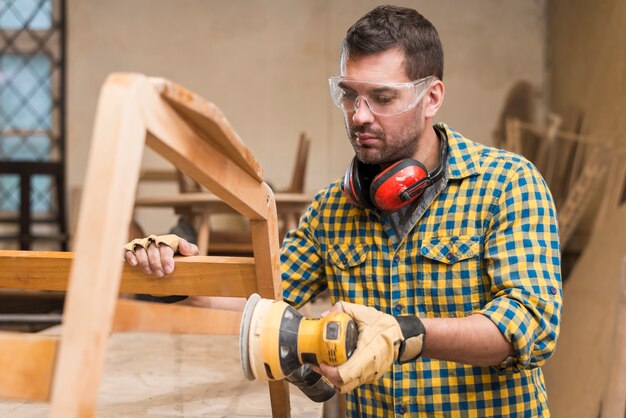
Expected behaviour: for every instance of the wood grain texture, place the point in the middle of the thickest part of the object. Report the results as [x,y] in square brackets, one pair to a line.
[135,316]
[130,114]
[580,366]
[210,123]
[106,207]
[193,276]
[176,141]
[27,364]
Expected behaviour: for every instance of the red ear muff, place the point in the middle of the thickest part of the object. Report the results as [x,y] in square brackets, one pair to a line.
[395,187]
[357,182]
[399,185]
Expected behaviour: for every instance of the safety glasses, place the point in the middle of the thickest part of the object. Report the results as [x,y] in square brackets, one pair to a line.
[381,98]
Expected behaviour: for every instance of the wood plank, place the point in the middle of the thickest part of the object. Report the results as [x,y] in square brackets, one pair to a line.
[614,399]
[577,201]
[295,200]
[174,140]
[193,276]
[27,364]
[158,175]
[210,123]
[107,203]
[138,316]
[265,245]
[580,366]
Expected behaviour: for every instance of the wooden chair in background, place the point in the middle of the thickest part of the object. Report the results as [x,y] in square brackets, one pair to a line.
[195,136]
[196,207]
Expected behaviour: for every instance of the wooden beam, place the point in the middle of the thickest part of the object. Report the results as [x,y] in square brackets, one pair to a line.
[27,364]
[175,319]
[107,203]
[175,140]
[210,122]
[614,399]
[193,276]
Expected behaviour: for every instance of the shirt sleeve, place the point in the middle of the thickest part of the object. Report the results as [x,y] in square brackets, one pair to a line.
[302,265]
[523,261]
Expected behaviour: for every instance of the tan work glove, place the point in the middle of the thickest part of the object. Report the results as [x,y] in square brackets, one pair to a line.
[170,240]
[382,339]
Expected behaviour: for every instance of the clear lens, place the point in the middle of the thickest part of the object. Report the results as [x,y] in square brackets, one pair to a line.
[381,98]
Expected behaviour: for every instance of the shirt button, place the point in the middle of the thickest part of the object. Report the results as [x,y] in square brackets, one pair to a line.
[401,409]
[399,307]
[553,290]
[396,259]
[449,256]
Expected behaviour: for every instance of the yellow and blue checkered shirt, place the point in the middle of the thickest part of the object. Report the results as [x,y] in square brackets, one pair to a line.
[488,243]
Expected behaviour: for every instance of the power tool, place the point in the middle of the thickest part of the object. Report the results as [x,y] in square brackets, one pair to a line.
[278,342]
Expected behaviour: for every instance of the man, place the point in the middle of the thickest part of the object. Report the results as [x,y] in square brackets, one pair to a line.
[444,251]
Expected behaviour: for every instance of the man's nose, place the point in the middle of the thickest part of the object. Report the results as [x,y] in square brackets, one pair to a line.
[362,112]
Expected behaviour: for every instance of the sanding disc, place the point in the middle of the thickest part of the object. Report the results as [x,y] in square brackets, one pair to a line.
[244,335]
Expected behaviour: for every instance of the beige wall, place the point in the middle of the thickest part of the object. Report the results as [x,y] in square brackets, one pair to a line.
[265,64]
[587,60]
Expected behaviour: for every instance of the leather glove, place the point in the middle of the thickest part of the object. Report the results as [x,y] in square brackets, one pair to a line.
[382,339]
[170,240]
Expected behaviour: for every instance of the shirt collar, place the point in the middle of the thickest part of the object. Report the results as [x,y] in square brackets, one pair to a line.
[463,154]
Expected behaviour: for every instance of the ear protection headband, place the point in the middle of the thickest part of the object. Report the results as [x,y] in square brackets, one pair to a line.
[403,182]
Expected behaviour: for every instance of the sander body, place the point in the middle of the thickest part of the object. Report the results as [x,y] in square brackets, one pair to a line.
[277,342]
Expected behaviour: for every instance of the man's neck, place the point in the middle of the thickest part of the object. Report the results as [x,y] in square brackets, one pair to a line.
[428,149]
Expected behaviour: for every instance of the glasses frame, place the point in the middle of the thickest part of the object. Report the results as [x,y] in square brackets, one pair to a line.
[333,84]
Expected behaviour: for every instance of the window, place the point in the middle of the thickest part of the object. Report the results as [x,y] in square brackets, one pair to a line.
[32,103]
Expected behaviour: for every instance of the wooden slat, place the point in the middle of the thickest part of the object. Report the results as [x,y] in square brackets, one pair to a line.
[115,157]
[27,364]
[158,175]
[176,319]
[176,141]
[210,123]
[576,376]
[193,276]
[614,399]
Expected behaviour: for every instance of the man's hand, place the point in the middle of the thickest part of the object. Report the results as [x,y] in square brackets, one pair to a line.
[382,339]
[155,254]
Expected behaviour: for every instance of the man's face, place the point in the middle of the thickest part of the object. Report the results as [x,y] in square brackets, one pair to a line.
[382,139]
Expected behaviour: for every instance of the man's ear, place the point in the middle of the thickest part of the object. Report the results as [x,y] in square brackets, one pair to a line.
[433,99]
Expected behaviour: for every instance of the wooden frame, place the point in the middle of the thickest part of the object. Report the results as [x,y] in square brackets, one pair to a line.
[194,135]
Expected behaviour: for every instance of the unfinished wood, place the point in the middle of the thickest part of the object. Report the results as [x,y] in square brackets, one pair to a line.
[106,207]
[211,202]
[158,175]
[513,140]
[614,399]
[547,153]
[279,398]
[27,364]
[210,123]
[175,141]
[138,316]
[265,245]
[193,276]
[577,201]
[130,114]
[298,173]
[576,376]
[615,185]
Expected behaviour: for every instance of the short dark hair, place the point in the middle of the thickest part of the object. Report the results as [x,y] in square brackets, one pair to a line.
[388,27]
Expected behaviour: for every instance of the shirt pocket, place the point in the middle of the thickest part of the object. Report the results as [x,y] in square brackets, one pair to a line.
[451,277]
[349,272]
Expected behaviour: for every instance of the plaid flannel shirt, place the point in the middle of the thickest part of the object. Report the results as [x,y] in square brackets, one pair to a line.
[488,243]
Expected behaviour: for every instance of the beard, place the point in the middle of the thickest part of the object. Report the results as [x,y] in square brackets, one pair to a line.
[392,146]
